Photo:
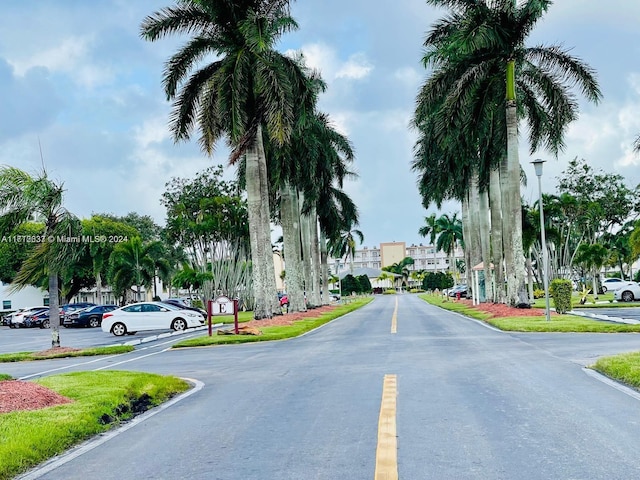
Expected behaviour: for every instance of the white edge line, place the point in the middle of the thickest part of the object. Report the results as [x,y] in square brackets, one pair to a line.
[102,438]
[612,383]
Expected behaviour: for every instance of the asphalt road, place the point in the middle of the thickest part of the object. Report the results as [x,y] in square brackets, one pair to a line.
[472,403]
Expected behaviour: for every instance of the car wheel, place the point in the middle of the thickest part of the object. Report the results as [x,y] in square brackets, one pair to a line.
[118,329]
[94,322]
[45,324]
[179,324]
[627,296]
[604,289]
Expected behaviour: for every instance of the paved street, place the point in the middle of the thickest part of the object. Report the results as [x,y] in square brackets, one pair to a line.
[471,403]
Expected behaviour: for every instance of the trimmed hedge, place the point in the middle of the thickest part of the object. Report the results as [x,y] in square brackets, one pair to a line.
[561,289]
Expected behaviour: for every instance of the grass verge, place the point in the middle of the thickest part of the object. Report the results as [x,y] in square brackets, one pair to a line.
[277,332]
[558,323]
[101,400]
[624,368]
[86,352]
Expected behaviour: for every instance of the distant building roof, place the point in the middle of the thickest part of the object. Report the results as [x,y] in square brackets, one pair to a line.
[369,272]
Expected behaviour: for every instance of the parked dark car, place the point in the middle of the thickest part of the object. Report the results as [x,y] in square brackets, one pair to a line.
[87,317]
[184,306]
[73,307]
[460,290]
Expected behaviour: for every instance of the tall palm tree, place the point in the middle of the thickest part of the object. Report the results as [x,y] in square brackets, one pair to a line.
[430,228]
[248,89]
[344,246]
[449,236]
[478,50]
[24,197]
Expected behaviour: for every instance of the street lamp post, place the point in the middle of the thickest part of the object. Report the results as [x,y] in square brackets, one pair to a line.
[537,164]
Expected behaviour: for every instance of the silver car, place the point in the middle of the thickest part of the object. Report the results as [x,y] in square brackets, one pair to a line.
[628,292]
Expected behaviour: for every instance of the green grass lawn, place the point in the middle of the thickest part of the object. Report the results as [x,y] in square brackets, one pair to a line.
[277,332]
[86,352]
[558,323]
[101,400]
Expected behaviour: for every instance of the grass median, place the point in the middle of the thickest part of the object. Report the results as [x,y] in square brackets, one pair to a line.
[558,323]
[100,401]
[277,332]
[84,352]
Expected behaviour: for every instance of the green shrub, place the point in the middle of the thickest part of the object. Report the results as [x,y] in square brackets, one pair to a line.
[538,293]
[560,290]
[389,291]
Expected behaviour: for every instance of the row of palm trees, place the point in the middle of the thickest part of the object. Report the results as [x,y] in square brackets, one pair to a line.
[229,81]
[485,81]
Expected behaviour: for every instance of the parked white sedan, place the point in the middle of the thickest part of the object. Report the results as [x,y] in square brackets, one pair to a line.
[627,292]
[149,316]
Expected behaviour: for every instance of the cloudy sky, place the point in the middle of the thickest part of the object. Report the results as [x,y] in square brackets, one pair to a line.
[76,78]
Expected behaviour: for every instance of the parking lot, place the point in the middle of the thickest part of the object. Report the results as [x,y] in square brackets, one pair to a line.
[35,339]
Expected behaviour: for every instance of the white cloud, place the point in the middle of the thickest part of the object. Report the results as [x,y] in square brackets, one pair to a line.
[70,56]
[356,67]
[153,130]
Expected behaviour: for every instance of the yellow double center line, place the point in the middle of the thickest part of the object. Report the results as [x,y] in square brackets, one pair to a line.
[387,450]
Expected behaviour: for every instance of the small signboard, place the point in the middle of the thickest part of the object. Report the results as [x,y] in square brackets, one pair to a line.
[222,306]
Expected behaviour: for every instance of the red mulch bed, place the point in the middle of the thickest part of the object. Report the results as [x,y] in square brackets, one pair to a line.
[17,395]
[502,310]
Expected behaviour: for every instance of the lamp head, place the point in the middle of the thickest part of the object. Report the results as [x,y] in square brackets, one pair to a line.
[537,164]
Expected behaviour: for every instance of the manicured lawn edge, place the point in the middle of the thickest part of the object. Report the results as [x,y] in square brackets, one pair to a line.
[277,332]
[86,352]
[102,400]
[623,368]
[558,323]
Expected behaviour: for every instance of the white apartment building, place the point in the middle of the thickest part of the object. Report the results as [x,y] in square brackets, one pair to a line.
[425,257]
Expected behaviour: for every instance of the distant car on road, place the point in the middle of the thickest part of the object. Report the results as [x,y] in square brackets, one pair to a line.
[611,284]
[628,292]
[149,316]
[87,317]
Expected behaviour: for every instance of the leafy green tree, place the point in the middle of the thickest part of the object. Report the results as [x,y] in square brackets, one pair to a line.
[23,197]
[349,284]
[249,88]
[365,284]
[592,257]
[133,263]
[14,253]
[104,233]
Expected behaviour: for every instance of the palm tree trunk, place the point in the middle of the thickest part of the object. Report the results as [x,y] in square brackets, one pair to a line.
[306,254]
[475,243]
[496,235]
[324,268]
[512,213]
[54,309]
[261,307]
[270,288]
[485,241]
[466,233]
[291,235]
[315,257]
